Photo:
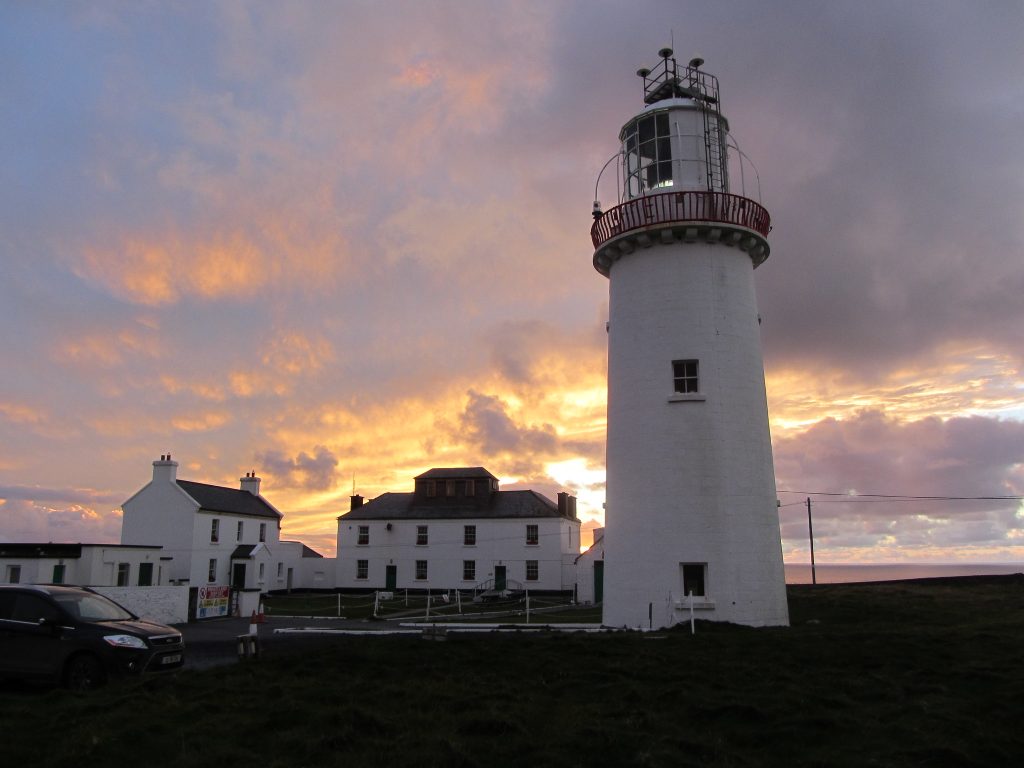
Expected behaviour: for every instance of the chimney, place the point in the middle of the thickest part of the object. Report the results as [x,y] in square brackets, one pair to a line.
[357,502]
[250,483]
[563,504]
[572,507]
[165,470]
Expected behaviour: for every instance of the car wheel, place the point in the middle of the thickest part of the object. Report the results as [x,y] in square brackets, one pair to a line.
[83,673]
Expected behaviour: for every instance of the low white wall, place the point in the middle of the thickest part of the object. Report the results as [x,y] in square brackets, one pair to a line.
[167,605]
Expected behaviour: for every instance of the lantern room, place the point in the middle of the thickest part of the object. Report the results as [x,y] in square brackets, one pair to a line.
[679,141]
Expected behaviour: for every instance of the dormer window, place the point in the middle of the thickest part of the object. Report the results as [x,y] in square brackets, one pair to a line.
[431,488]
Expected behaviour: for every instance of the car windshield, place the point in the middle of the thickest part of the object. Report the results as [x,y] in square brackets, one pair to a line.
[88,606]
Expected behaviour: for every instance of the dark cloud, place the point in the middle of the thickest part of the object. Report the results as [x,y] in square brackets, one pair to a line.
[69,495]
[312,473]
[875,454]
[487,426]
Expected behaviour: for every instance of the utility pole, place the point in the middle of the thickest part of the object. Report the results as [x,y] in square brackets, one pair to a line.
[810,533]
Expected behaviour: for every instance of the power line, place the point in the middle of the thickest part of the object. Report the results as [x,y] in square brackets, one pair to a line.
[900,497]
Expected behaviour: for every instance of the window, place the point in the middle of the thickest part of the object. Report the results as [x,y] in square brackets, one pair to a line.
[211,575]
[532,570]
[263,531]
[421,569]
[58,573]
[32,609]
[684,373]
[532,534]
[145,574]
[648,154]
[364,535]
[431,488]
[450,487]
[694,576]
[362,569]
[469,570]
[13,574]
[280,570]
[123,570]
[469,535]
[421,535]
[238,533]
[214,531]
[471,487]
[262,570]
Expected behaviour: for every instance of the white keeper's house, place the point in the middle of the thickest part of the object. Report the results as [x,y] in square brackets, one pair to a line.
[212,535]
[458,530]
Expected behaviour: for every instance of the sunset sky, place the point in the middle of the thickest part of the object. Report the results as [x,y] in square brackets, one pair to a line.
[339,243]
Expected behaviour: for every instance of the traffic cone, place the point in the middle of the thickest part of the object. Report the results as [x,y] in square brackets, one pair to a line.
[253,621]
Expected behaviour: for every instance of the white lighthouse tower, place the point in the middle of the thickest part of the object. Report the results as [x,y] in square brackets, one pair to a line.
[691,516]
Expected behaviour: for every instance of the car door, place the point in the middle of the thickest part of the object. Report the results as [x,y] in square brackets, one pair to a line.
[34,648]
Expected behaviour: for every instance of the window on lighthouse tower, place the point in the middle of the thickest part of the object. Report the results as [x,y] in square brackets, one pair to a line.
[648,147]
[684,373]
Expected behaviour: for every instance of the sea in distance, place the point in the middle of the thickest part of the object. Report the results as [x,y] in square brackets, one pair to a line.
[800,573]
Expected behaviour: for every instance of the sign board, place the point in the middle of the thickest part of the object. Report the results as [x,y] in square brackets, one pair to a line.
[213,601]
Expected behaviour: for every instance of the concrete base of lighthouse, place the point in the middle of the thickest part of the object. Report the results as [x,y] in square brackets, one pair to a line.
[691,502]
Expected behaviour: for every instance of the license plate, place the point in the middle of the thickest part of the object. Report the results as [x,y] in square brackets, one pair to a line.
[174,658]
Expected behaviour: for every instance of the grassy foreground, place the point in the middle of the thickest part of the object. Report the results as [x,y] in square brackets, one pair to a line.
[927,673]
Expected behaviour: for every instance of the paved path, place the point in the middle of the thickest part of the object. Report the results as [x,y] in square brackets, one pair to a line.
[214,642]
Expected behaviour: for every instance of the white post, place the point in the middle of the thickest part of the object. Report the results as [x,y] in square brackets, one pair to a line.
[339,605]
[527,606]
[693,629]
[406,597]
[458,600]
[376,602]
[428,604]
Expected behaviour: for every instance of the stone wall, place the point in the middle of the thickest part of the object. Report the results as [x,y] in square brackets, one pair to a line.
[167,605]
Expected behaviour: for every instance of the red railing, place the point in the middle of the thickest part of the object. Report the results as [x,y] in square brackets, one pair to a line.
[671,207]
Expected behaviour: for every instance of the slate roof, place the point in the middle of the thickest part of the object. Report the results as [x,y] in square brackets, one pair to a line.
[31,551]
[449,473]
[501,504]
[243,551]
[215,498]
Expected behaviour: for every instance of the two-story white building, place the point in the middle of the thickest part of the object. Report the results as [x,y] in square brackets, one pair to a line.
[458,530]
[212,535]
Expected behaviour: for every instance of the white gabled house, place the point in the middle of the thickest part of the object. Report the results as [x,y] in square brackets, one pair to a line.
[590,571]
[215,535]
[458,530]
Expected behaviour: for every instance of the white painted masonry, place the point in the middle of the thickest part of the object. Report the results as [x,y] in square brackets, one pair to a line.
[217,535]
[441,542]
[691,500]
[164,605]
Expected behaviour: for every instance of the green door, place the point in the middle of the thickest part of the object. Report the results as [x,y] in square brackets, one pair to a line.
[499,577]
[391,578]
[598,581]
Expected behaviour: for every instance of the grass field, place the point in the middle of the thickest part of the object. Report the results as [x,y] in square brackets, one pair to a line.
[924,673]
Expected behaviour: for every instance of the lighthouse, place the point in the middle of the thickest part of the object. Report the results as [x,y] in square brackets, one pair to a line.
[691,519]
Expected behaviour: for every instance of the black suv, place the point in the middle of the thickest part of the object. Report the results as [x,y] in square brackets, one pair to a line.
[79,637]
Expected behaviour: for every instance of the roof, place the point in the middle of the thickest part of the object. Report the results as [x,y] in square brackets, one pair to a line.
[449,473]
[215,498]
[243,551]
[28,550]
[501,504]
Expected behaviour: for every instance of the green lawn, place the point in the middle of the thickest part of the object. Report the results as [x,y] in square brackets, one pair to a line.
[903,674]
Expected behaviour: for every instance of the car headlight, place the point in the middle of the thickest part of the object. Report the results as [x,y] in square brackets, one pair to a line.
[125,641]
